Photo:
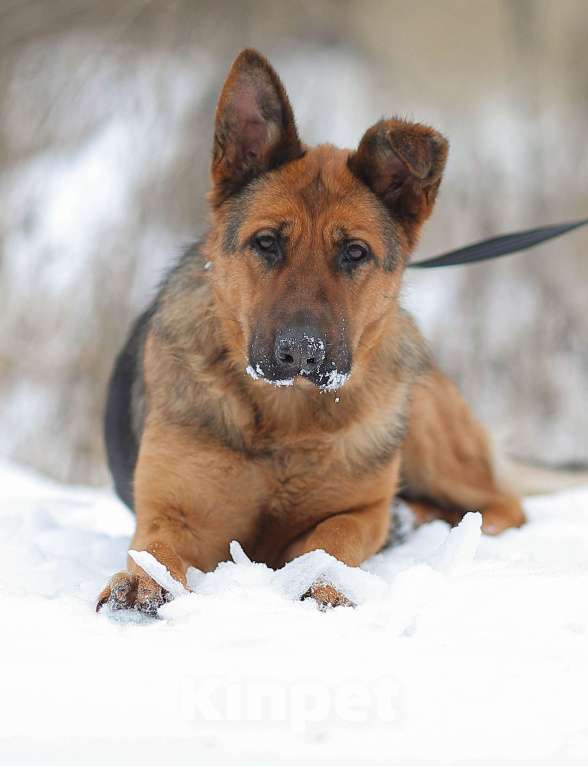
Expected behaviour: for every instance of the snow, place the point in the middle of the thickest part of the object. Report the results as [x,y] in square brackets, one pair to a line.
[334,378]
[259,374]
[463,648]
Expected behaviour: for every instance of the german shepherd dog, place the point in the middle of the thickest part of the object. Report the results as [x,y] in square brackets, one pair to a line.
[276,392]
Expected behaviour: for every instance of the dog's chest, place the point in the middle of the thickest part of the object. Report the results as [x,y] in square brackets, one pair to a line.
[292,478]
[306,480]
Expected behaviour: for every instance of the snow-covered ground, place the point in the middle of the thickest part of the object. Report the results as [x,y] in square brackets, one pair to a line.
[462,649]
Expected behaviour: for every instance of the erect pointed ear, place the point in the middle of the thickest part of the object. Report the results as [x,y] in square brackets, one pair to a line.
[255,129]
[402,163]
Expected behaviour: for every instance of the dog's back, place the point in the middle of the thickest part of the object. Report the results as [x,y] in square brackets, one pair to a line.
[120,432]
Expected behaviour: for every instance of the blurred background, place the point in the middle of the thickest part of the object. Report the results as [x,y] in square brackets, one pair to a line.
[106,114]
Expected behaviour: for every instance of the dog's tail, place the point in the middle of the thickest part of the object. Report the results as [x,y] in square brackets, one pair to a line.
[527,478]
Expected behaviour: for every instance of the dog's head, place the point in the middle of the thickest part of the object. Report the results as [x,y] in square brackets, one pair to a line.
[309,245]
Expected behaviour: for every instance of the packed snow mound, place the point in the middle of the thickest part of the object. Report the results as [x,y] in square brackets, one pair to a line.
[462,647]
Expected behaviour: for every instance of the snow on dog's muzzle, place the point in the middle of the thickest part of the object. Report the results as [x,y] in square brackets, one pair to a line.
[300,352]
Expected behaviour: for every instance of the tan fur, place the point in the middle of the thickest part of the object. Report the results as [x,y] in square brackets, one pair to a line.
[447,461]
[289,470]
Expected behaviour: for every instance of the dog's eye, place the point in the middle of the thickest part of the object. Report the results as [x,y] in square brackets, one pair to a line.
[267,245]
[355,252]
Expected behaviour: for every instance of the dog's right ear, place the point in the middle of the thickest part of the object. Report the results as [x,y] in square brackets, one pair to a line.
[254,129]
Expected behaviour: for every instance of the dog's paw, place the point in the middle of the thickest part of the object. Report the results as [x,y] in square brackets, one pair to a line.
[131,591]
[326,596]
[495,521]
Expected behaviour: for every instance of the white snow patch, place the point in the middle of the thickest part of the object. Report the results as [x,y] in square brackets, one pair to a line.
[259,374]
[335,380]
[252,373]
[463,647]
[459,549]
[238,554]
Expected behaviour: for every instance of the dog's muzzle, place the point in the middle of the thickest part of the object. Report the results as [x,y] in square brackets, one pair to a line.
[299,351]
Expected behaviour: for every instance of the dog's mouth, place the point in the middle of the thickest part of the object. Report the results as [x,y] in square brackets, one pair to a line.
[325,380]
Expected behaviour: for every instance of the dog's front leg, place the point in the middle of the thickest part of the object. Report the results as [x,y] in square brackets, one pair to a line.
[351,537]
[161,532]
[192,498]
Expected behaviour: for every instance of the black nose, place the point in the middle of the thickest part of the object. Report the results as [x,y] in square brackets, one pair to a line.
[298,350]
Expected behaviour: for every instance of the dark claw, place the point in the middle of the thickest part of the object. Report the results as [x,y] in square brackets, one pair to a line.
[101,602]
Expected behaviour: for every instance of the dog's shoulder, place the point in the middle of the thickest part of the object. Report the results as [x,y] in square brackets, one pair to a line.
[186,373]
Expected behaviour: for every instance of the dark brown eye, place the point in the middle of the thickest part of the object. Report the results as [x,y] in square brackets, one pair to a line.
[267,246]
[266,243]
[356,251]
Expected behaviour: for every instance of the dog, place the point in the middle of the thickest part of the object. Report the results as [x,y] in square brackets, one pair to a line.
[276,392]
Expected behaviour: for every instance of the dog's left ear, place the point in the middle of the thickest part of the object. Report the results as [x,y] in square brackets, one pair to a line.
[254,129]
[402,163]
